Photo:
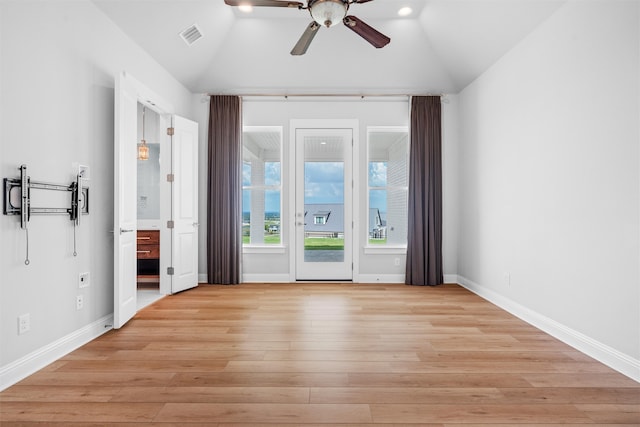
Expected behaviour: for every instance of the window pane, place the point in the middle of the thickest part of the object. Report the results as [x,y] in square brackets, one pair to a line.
[246,215]
[388,152]
[396,216]
[377,216]
[377,174]
[246,174]
[272,217]
[272,173]
[261,181]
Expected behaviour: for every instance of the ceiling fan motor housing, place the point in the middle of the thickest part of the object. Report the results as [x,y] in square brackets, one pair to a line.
[328,12]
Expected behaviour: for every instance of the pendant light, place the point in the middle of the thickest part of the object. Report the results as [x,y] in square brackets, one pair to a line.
[143,148]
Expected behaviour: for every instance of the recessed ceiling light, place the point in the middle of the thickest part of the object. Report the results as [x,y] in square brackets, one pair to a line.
[246,8]
[405,11]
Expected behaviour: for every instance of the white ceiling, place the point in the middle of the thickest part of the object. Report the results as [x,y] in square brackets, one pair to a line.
[441,48]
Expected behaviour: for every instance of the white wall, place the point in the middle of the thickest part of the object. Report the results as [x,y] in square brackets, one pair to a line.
[372,112]
[549,177]
[59,62]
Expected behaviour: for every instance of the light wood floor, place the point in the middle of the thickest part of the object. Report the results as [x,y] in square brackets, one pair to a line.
[341,354]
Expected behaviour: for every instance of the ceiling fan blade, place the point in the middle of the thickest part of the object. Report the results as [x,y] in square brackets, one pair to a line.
[305,40]
[266,3]
[367,32]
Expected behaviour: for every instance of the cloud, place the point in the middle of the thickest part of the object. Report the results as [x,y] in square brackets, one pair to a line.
[324,182]
[246,174]
[377,174]
[272,173]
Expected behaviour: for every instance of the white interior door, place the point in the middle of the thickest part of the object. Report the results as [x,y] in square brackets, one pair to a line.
[125,212]
[324,208]
[184,235]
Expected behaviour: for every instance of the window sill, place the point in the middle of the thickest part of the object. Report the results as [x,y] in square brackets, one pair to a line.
[271,249]
[385,249]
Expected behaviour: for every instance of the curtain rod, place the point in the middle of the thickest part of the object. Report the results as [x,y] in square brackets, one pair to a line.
[324,95]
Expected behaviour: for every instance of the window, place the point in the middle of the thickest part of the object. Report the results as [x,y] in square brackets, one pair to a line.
[320,220]
[387,181]
[261,185]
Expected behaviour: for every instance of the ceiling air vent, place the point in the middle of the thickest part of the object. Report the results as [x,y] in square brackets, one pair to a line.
[191,34]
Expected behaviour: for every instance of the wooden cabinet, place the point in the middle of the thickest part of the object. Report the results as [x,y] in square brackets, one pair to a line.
[148,255]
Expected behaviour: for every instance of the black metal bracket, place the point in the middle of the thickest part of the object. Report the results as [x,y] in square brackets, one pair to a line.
[17,198]
[17,201]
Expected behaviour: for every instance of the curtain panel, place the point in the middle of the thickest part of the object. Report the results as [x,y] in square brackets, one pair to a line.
[224,190]
[424,242]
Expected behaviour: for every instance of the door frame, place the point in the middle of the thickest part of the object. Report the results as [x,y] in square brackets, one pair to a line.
[164,109]
[354,126]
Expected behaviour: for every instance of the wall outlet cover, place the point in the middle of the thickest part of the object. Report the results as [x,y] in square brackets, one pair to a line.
[24,323]
[83,280]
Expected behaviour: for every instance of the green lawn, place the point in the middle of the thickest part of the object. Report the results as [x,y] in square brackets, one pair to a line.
[319,244]
[269,239]
[377,241]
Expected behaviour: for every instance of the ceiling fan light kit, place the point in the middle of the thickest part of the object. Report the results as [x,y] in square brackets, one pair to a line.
[328,12]
[325,13]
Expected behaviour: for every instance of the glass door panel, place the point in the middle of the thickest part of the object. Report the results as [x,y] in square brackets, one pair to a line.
[323,204]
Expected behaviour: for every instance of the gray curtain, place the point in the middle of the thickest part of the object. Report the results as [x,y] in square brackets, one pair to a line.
[224,190]
[424,242]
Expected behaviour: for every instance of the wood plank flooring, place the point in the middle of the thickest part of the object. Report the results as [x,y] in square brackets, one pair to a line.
[323,354]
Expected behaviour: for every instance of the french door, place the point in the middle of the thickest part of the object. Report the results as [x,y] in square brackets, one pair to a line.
[179,239]
[324,231]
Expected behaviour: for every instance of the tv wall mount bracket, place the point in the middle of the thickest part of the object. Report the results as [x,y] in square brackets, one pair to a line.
[17,201]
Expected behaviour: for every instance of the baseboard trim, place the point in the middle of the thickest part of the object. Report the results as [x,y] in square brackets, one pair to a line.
[18,370]
[203,278]
[609,356]
[450,278]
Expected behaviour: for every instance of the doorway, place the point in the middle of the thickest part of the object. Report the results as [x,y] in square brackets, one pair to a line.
[324,232]
[148,207]
[178,240]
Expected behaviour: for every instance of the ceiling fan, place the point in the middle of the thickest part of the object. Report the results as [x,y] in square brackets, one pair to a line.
[324,13]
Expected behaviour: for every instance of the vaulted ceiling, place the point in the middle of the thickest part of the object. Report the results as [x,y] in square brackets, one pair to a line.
[440,48]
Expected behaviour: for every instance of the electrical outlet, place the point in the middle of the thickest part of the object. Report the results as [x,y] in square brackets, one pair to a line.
[24,323]
[83,280]
[79,302]
[396,262]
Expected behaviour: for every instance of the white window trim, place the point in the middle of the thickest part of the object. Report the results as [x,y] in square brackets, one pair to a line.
[263,249]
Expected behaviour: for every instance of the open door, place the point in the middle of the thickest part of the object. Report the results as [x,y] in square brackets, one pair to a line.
[184,205]
[179,240]
[125,213]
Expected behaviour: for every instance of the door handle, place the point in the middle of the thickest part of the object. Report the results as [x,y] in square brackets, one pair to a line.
[122,230]
[196,224]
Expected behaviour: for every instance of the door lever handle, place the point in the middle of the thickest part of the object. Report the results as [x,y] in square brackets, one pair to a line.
[122,230]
